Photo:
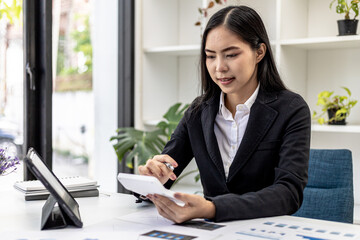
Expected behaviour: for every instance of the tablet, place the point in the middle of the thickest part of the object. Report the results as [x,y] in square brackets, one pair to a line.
[145,185]
[57,190]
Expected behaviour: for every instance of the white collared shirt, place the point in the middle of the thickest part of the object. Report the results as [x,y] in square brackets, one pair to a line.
[229,131]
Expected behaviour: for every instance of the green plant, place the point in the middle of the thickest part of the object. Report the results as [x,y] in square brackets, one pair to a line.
[343,6]
[340,104]
[11,11]
[83,42]
[131,142]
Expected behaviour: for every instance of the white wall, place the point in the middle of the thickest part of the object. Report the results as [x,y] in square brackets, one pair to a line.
[105,62]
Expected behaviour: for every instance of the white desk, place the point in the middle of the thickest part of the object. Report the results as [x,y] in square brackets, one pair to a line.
[27,214]
[100,218]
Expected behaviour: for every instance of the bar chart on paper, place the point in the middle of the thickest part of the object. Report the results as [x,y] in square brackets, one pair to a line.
[272,230]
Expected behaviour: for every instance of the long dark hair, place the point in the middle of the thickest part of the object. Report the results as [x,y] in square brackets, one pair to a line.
[246,23]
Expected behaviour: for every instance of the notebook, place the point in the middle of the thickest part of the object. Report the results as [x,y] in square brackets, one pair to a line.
[69,182]
[77,186]
[74,193]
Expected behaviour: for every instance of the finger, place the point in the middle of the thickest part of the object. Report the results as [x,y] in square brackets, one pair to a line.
[144,170]
[165,200]
[160,207]
[186,198]
[167,172]
[164,171]
[166,158]
[166,206]
[163,213]
[160,210]
[190,200]
[155,168]
[174,212]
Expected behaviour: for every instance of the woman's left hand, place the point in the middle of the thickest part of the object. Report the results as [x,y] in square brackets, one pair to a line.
[195,207]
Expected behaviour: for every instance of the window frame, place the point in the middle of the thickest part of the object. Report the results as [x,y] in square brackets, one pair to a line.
[37,17]
[126,73]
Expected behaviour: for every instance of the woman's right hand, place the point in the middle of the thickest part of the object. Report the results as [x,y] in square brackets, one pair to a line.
[156,167]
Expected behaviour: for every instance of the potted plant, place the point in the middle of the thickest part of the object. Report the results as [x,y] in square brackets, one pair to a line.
[347,26]
[337,107]
[131,142]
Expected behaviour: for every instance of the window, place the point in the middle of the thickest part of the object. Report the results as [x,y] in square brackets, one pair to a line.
[11,78]
[74,110]
[73,100]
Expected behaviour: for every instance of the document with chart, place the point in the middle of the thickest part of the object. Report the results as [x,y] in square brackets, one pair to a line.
[278,228]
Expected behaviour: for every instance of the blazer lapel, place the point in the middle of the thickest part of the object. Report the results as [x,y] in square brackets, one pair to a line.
[208,116]
[260,120]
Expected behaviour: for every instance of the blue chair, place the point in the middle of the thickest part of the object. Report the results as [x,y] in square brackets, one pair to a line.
[329,192]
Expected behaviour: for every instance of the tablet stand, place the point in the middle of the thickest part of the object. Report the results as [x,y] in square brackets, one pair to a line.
[54,216]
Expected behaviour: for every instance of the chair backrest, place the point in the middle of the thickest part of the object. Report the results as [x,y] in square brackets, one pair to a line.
[329,192]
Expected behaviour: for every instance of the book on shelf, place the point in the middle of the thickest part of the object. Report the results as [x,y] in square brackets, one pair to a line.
[77,186]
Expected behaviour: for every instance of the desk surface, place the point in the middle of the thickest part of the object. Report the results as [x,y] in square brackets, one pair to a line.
[27,214]
[101,213]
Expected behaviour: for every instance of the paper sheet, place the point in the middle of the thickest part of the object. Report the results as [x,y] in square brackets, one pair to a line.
[150,217]
[273,229]
[147,217]
[118,225]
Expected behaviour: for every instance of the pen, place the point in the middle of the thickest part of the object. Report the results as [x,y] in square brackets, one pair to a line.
[169,166]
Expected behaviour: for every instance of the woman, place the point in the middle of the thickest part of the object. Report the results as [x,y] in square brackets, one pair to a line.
[249,135]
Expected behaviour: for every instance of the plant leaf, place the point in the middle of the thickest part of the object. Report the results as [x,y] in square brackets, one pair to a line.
[137,143]
[340,112]
[197,177]
[130,142]
[172,117]
[321,121]
[332,3]
[129,159]
[347,90]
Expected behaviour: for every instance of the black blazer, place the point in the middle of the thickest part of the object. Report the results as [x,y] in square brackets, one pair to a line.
[269,171]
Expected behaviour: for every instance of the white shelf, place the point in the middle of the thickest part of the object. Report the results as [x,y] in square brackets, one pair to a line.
[336,129]
[334,42]
[323,42]
[180,50]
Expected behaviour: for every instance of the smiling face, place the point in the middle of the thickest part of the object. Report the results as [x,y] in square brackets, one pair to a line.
[232,63]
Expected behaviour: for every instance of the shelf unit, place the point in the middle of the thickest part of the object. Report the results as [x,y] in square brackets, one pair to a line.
[336,129]
[303,34]
[184,50]
[336,42]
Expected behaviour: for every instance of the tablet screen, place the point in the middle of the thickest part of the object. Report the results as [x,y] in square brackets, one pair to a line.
[52,183]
